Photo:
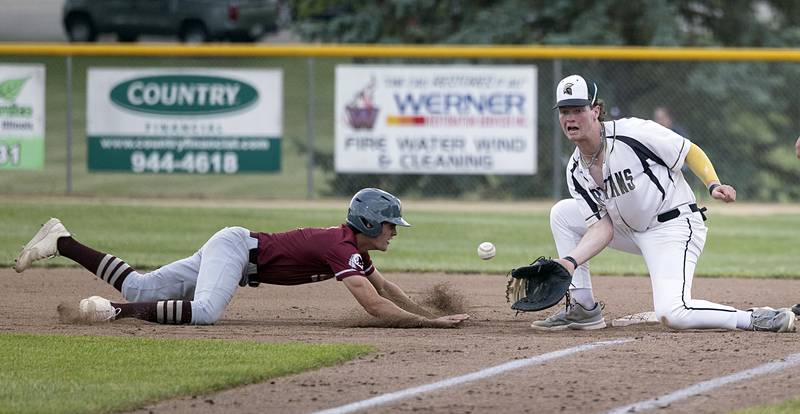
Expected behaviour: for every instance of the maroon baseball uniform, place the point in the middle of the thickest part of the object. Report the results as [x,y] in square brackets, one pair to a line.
[309,255]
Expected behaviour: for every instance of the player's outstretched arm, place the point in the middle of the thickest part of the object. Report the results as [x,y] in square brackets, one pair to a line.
[384,309]
[391,291]
[596,238]
[701,166]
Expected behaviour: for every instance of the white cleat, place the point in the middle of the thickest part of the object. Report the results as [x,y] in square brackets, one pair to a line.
[43,245]
[97,309]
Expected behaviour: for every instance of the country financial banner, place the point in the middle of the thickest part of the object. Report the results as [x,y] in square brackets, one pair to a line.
[195,120]
[436,119]
[22,117]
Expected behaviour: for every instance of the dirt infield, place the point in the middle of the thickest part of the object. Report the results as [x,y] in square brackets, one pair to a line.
[657,361]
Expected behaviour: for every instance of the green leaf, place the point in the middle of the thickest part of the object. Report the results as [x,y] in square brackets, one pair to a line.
[10,89]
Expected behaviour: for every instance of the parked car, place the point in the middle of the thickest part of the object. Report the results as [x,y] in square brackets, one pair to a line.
[193,21]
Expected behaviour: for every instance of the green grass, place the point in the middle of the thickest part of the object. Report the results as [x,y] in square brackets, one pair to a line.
[289,182]
[80,374]
[785,407]
[149,236]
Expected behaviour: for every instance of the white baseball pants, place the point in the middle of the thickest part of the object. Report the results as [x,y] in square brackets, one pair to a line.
[670,251]
[208,278]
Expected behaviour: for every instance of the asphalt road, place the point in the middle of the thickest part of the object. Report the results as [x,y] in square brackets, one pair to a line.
[31,21]
[40,21]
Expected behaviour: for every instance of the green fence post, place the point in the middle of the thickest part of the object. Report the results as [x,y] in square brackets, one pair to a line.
[310,128]
[69,124]
[558,167]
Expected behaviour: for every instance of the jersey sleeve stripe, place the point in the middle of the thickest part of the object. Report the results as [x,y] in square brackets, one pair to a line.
[641,149]
[354,271]
[683,145]
[582,191]
[644,154]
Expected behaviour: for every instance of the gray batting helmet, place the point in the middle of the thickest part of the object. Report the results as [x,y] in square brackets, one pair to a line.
[371,207]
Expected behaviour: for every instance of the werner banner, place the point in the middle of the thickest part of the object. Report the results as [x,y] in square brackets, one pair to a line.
[421,119]
[187,120]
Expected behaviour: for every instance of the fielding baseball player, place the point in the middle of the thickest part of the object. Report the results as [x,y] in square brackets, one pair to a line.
[629,193]
[197,289]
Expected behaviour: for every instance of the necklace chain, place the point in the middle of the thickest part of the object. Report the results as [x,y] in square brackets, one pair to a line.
[591,161]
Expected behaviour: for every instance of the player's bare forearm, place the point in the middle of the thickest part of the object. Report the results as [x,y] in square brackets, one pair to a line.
[393,292]
[374,302]
[596,238]
[389,312]
[386,310]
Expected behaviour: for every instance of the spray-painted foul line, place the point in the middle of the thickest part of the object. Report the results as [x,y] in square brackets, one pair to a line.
[474,376]
[708,385]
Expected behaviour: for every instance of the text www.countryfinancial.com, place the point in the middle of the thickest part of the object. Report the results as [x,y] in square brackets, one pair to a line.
[186,144]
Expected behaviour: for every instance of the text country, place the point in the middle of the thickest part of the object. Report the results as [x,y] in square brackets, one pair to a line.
[168,94]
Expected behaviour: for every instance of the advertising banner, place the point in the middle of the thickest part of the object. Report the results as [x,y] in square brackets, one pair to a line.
[199,121]
[22,117]
[419,119]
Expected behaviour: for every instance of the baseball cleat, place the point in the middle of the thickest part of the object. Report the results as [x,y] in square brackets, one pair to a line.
[97,309]
[573,316]
[796,309]
[772,320]
[43,245]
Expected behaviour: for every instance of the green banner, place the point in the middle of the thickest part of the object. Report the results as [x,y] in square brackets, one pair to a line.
[21,153]
[190,155]
[22,116]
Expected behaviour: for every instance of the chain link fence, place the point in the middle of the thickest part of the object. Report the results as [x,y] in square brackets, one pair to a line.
[744,114]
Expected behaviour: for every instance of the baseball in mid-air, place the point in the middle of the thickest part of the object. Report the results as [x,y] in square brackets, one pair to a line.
[486,250]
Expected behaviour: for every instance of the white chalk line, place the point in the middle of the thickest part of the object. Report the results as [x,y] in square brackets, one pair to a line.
[474,376]
[701,387]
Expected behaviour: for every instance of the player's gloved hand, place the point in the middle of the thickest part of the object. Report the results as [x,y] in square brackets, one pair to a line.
[724,193]
[539,285]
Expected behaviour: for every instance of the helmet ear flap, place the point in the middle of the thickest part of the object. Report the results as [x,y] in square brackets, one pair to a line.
[366,223]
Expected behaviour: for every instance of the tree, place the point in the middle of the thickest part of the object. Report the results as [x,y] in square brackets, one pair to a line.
[744,119]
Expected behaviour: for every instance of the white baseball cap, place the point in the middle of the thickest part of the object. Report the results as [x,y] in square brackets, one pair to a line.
[574,90]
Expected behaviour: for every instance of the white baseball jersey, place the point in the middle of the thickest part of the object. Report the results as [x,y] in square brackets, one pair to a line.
[642,175]
[643,179]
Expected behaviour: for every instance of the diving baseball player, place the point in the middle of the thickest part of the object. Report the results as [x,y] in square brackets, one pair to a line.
[629,193]
[196,290]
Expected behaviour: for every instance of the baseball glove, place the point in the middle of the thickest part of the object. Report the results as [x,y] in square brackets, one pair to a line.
[537,286]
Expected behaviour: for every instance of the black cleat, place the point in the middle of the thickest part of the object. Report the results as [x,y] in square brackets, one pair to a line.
[796,309]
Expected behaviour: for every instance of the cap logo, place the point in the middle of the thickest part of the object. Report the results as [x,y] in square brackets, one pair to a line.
[568,89]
